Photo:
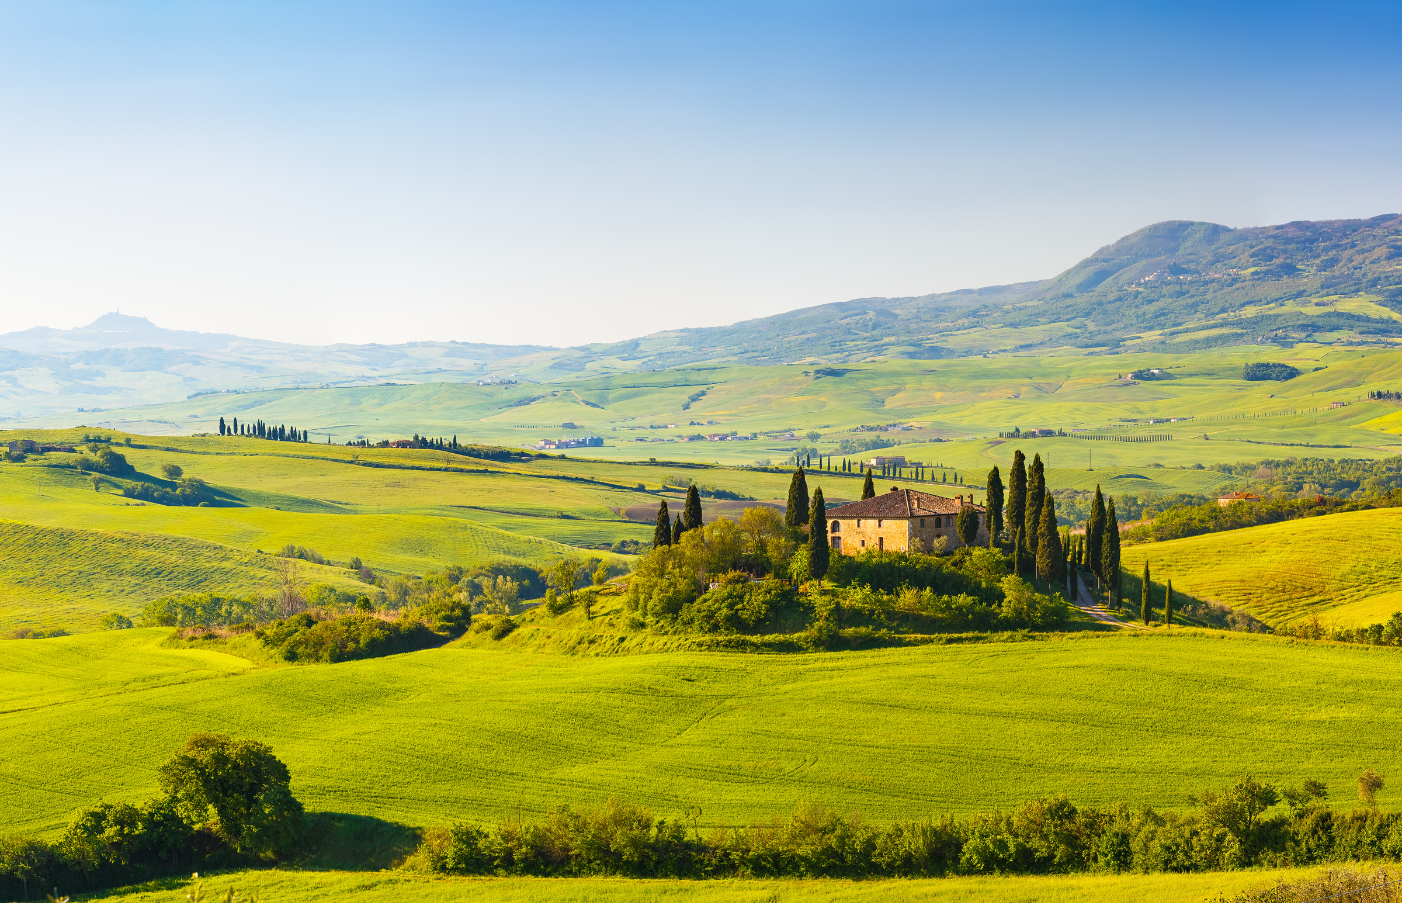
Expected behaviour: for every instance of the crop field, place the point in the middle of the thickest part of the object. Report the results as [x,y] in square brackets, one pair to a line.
[953,399]
[1346,568]
[475,733]
[56,576]
[399,887]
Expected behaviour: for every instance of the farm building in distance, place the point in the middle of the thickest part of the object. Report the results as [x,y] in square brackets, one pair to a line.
[884,460]
[902,520]
[1233,497]
[582,442]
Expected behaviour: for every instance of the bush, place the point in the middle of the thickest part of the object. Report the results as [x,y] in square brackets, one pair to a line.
[192,492]
[115,620]
[747,607]
[1268,371]
[106,461]
[303,638]
[204,610]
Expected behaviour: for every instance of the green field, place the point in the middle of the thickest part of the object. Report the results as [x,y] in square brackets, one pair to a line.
[1345,568]
[276,887]
[970,400]
[429,737]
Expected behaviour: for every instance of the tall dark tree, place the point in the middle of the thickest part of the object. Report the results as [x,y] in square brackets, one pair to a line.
[662,534]
[993,505]
[1110,556]
[966,525]
[1095,530]
[1146,598]
[1017,550]
[818,549]
[796,514]
[868,488]
[222,428]
[1036,492]
[236,426]
[1049,559]
[1017,493]
[1168,604]
[677,530]
[691,516]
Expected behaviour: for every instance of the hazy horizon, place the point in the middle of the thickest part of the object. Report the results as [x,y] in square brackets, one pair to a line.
[558,174]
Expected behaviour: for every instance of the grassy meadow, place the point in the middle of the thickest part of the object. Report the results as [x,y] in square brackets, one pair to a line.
[1345,568]
[279,886]
[481,733]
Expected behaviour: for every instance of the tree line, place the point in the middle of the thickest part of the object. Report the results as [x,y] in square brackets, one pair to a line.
[260,430]
[1234,827]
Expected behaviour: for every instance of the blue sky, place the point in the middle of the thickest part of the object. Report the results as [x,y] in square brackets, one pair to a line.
[565,173]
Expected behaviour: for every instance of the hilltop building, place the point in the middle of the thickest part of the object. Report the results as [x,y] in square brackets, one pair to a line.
[902,520]
[1232,497]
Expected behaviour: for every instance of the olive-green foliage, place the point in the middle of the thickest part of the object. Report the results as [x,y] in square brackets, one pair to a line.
[738,605]
[205,610]
[115,620]
[975,572]
[966,525]
[102,459]
[1179,521]
[304,638]
[223,802]
[819,552]
[1227,829]
[1269,370]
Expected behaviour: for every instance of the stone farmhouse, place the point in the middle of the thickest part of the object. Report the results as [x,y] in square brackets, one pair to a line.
[902,520]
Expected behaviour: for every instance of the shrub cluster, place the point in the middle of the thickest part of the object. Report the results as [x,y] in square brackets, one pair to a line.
[223,803]
[1226,829]
[102,459]
[1388,633]
[305,638]
[190,491]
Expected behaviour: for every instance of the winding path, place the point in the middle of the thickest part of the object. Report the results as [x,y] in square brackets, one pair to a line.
[1087,604]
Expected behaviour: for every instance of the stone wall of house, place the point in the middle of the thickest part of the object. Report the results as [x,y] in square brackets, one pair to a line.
[897,534]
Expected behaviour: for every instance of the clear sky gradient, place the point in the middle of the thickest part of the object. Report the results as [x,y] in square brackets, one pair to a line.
[567,173]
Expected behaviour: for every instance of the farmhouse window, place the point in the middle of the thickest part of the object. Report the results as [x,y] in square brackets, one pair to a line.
[922,521]
[880,542]
[878,521]
[837,543]
[864,543]
[938,522]
[835,526]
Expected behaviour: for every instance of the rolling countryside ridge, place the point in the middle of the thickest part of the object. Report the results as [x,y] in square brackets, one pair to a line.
[574,452]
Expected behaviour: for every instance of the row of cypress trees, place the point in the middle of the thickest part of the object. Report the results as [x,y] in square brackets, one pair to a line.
[260,430]
[669,531]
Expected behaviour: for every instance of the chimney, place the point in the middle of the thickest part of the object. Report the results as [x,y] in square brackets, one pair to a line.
[895,489]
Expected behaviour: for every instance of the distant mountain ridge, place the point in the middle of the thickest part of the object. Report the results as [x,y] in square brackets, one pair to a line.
[1172,286]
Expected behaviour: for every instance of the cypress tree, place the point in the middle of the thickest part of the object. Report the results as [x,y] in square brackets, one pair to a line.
[1017,493]
[662,535]
[1168,604]
[677,530]
[796,514]
[236,426]
[1110,556]
[993,505]
[1036,493]
[818,549]
[221,426]
[1146,601]
[1095,530]
[1049,544]
[692,513]
[868,489]
[1070,570]
[1016,536]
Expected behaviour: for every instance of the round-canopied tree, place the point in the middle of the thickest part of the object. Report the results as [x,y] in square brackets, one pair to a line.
[236,789]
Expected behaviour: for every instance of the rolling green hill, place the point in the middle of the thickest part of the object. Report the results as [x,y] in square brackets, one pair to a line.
[428,737]
[1345,568]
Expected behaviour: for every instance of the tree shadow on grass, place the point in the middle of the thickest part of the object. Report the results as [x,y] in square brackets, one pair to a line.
[336,840]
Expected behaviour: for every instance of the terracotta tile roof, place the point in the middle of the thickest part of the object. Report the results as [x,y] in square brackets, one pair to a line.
[899,503]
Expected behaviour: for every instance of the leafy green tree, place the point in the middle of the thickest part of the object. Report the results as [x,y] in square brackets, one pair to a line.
[966,525]
[1168,604]
[565,576]
[691,516]
[172,471]
[1036,494]
[662,534]
[868,488]
[1049,558]
[993,505]
[237,790]
[1146,599]
[1110,556]
[818,549]
[796,513]
[1369,783]
[1238,810]
[1095,531]
[1017,492]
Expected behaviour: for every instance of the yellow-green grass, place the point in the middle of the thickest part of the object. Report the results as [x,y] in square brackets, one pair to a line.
[952,398]
[275,886]
[1369,610]
[462,733]
[1328,566]
[53,576]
